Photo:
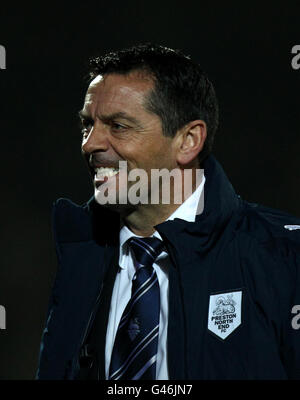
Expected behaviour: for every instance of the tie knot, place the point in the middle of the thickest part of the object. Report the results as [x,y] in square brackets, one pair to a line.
[145,250]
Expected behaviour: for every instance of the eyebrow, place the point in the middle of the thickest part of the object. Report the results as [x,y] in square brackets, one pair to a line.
[110,117]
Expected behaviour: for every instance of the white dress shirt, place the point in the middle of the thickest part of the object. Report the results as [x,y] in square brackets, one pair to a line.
[122,287]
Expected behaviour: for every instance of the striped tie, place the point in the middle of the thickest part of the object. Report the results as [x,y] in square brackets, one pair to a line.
[135,349]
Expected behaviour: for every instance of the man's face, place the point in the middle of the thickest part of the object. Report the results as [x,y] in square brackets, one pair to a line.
[117,127]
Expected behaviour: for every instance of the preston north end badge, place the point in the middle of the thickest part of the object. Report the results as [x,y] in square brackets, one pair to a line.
[224,313]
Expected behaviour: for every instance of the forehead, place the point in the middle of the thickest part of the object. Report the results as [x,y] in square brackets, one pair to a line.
[112,92]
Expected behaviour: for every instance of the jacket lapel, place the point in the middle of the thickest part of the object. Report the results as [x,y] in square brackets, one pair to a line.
[84,258]
[97,337]
[191,246]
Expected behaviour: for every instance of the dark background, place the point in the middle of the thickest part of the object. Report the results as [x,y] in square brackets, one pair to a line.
[246,50]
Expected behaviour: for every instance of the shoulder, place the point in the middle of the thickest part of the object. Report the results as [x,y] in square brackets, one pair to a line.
[70,221]
[267,224]
[77,223]
[270,242]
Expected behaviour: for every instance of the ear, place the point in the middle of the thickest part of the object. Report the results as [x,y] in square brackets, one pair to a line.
[191,139]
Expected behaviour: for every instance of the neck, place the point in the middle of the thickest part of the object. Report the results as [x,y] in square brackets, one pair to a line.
[144,217]
[142,221]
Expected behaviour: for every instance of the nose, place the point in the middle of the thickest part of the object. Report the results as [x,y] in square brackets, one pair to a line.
[97,140]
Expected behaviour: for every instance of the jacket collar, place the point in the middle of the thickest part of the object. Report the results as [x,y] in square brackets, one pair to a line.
[220,202]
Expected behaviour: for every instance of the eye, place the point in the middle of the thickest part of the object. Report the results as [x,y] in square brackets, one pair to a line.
[115,126]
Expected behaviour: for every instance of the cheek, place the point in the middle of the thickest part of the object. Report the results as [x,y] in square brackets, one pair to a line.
[163,152]
[134,152]
[144,153]
[159,159]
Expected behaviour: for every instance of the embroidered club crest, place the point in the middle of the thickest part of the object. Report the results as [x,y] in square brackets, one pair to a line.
[224,313]
[133,328]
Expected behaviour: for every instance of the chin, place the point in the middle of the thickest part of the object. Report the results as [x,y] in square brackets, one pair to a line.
[113,205]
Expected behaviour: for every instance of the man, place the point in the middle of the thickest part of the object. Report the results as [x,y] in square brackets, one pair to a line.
[203,288]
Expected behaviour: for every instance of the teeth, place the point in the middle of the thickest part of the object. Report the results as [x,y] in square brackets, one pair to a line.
[103,172]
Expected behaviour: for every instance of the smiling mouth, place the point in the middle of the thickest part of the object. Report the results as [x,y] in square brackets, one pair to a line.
[102,174]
